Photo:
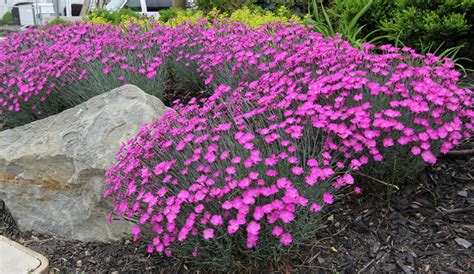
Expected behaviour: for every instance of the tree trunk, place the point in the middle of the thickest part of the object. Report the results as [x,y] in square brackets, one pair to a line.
[85,7]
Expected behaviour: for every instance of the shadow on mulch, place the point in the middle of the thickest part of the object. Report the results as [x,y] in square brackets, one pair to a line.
[421,229]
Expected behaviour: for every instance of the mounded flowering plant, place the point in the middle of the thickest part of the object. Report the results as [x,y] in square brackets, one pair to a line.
[237,180]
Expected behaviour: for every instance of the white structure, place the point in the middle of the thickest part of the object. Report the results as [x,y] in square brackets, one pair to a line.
[31,12]
[24,9]
[7,5]
[147,7]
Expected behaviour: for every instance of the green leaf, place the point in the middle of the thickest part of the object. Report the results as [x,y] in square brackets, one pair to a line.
[360,14]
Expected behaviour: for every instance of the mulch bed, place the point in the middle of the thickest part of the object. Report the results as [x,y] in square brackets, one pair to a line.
[417,230]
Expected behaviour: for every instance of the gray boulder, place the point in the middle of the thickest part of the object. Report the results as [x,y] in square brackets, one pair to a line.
[52,170]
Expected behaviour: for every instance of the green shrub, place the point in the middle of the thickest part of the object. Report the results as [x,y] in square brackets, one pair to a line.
[252,16]
[7,18]
[56,21]
[114,17]
[343,11]
[419,24]
[167,14]
[350,30]
[222,5]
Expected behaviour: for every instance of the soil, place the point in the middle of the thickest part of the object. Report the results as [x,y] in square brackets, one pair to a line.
[414,229]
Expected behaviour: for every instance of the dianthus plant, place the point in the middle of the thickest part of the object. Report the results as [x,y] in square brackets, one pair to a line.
[240,172]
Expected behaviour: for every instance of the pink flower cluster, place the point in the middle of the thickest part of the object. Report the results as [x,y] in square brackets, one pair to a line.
[293,113]
[291,116]
[206,170]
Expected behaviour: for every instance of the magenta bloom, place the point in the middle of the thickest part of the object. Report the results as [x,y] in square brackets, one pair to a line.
[315,207]
[253,228]
[328,198]
[208,233]
[216,220]
[286,239]
[277,231]
[428,157]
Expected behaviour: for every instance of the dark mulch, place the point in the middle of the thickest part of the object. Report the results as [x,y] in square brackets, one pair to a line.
[415,231]
[184,91]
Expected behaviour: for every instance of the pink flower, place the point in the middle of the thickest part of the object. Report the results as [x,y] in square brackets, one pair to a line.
[328,198]
[446,147]
[135,232]
[107,69]
[272,173]
[199,208]
[271,161]
[428,157]
[388,142]
[236,160]
[224,155]
[232,227]
[253,228]
[348,179]
[315,207]
[286,239]
[216,220]
[208,233]
[415,150]
[259,213]
[297,170]
[424,136]
[253,175]
[286,216]
[230,170]
[277,231]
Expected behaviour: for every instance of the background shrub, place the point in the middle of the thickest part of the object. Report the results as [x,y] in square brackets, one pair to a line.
[256,17]
[253,16]
[56,21]
[167,14]
[113,17]
[343,11]
[222,5]
[422,25]
[7,18]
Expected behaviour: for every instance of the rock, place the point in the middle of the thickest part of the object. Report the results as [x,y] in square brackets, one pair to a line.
[462,193]
[52,170]
[463,242]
